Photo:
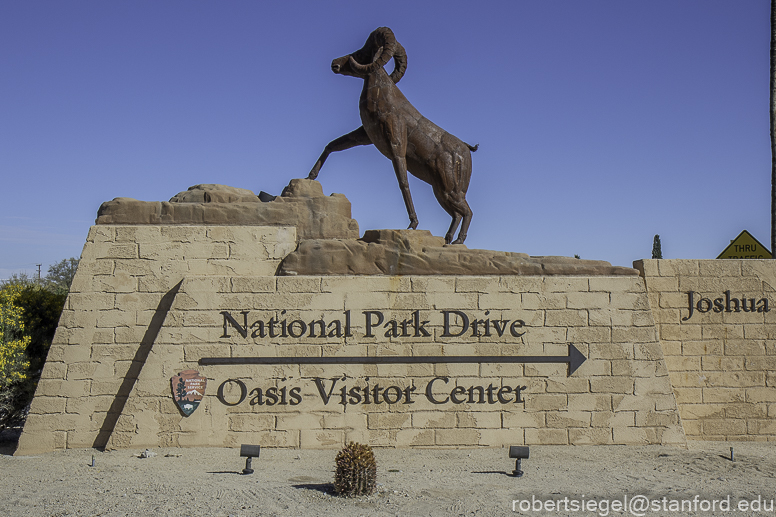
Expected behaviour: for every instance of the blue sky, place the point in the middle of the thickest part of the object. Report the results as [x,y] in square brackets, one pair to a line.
[600,123]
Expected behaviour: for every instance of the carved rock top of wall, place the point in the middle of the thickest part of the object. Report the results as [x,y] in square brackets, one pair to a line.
[417,252]
[302,204]
[328,236]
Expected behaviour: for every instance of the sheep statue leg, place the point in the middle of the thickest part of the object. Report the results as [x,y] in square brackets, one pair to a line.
[400,167]
[352,139]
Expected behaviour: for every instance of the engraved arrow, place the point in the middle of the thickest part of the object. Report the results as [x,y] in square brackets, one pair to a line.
[574,359]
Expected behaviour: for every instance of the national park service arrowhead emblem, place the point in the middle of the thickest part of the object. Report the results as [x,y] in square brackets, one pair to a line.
[188,388]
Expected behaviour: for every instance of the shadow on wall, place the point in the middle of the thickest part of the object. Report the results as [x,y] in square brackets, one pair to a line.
[117,407]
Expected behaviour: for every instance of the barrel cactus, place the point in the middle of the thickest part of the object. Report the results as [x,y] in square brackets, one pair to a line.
[356,470]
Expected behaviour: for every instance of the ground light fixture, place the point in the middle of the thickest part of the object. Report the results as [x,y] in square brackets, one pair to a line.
[249,452]
[518,452]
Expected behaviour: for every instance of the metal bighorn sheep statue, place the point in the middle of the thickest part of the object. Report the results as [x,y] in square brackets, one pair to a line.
[402,134]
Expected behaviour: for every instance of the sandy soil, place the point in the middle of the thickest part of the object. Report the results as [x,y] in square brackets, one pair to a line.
[207,482]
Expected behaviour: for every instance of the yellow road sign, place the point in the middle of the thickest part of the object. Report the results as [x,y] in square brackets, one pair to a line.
[745,247]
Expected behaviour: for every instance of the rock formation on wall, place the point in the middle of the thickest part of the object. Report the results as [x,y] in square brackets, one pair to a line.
[417,252]
[302,204]
[328,237]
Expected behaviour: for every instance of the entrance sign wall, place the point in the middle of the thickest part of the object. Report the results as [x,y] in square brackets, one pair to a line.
[426,360]
[148,302]
[717,325]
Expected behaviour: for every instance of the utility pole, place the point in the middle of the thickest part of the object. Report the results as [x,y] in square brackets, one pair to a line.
[38,271]
[773,128]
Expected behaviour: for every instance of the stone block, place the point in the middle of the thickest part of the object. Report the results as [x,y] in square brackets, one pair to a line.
[630,301]
[388,420]
[565,284]
[501,437]
[52,370]
[590,334]
[648,352]
[523,419]
[89,405]
[426,284]
[724,395]
[665,402]
[567,419]
[723,427]
[611,419]
[633,368]
[586,300]
[673,300]
[632,403]
[548,402]
[542,301]
[321,439]
[261,284]
[48,405]
[655,419]
[745,411]
[719,268]
[613,284]
[745,347]
[611,385]
[646,267]
[722,364]
[306,420]
[458,437]
[630,436]
[479,420]
[611,351]
[40,441]
[119,251]
[702,348]
[693,429]
[589,402]
[761,427]
[522,283]
[304,284]
[666,316]
[433,419]
[679,363]
[81,371]
[688,395]
[414,438]
[634,335]
[545,370]
[644,318]
[663,284]
[590,436]
[568,385]
[546,437]
[565,318]
[477,284]
[735,379]
[273,438]
[756,395]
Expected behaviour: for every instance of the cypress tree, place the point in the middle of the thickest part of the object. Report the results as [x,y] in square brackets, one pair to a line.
[657,252]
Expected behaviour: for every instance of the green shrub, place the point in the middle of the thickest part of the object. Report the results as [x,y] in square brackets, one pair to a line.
[29,314]
[14,363]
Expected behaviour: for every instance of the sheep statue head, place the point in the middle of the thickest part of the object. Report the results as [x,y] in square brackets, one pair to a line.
[398,130]
[379,48]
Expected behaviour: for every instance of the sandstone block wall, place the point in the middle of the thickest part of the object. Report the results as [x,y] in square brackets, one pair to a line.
[620,395]
[124,273]
[722,357]
[148,302]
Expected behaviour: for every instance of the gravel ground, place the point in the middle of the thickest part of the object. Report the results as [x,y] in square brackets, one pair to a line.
[207,481]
